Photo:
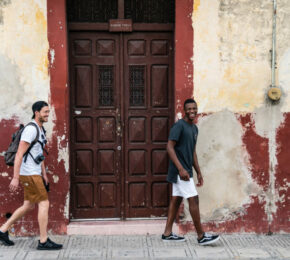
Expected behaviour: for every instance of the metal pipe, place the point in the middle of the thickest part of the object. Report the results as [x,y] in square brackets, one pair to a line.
[274,44]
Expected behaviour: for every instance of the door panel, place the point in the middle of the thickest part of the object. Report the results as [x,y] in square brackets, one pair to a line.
[148,70]
[121,111]
[95,113]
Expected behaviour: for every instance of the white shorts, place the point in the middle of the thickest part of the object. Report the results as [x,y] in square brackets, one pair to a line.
[185,189]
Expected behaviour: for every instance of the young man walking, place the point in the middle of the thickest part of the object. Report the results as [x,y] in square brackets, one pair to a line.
[182,154]
[29,169]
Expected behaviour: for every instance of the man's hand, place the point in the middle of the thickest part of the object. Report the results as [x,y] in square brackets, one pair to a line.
[45,179]
[14,184]
[184,175]
[200,180]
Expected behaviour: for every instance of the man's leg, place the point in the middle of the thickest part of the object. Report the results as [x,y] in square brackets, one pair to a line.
[20,212]
[44,242]
[194,212]
[43,207]
[173,207]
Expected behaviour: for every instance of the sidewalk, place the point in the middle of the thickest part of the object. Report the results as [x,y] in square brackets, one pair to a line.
[237,246]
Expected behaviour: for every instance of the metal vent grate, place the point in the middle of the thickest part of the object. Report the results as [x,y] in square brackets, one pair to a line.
[98,11]
[106,85]
[150,11]
[137,85]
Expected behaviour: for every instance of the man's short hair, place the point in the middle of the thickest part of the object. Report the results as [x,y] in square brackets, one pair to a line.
[37,106]
[187,101]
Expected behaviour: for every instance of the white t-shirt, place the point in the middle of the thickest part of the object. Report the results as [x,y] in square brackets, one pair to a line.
[28,135]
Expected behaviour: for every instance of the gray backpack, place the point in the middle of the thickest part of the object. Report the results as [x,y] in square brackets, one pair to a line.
[10,154]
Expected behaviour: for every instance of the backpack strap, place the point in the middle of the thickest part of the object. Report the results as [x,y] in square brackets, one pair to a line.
[42,146]
[44,131]
[32,143]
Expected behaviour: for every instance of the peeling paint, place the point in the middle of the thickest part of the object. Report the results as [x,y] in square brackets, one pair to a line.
[55,178]
[2,4]
[179,115]
[63,152]
[66,206]
[52,56]
[267,120]
[219,145]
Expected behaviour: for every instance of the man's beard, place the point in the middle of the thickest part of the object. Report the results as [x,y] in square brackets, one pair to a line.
[41,119]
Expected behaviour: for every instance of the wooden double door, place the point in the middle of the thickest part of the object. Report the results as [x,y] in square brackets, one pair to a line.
[121,107]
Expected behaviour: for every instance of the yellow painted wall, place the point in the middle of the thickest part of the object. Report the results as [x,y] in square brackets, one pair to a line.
[24,47]
[232,40]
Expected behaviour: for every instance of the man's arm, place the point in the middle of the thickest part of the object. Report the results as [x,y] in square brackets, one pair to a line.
[184,175]
[197,169]
[43,171]
[22,148]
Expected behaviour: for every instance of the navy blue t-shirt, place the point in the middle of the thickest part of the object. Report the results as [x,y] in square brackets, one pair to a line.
[185,135]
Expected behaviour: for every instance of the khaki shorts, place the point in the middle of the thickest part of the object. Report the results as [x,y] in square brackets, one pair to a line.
[34,189]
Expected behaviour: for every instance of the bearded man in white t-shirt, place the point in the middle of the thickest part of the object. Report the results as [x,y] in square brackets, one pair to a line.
[29,170]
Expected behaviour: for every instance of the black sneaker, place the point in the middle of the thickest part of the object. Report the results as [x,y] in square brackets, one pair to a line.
[4,238]
[48,245]
[208,239]
[172,237]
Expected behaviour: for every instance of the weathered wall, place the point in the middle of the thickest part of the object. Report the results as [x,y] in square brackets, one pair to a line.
[243,137]
[26,71]
[183,76]
[243,146]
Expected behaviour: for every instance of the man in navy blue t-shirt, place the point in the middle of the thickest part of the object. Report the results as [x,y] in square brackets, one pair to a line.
[182,154]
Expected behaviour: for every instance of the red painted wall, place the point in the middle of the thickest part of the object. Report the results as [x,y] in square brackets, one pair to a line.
[183,53]
[57,38]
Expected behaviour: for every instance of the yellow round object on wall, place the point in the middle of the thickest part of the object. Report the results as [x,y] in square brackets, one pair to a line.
[274,93]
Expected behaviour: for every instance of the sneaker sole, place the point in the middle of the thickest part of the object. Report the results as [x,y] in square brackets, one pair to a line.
[209,242]
[6,244]
[49,249]
[172,240]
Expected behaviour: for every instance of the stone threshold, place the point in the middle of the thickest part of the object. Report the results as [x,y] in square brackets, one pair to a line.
[118,227]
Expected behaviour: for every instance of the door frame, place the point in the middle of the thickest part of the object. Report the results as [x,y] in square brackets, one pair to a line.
[57,28]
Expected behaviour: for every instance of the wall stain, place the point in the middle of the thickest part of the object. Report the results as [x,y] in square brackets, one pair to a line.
[3,3]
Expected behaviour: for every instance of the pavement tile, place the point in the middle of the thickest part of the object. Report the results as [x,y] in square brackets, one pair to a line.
[242,241]
[128,253]
[43,255]
[284,252]
[19,243]
[253,253]
[83,242]
[157,242]
[276,240]
[170,253]
[7,254]
[210,252]
[127,241]
[82,254]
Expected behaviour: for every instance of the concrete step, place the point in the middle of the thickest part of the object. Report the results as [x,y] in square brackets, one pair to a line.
[120,227]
